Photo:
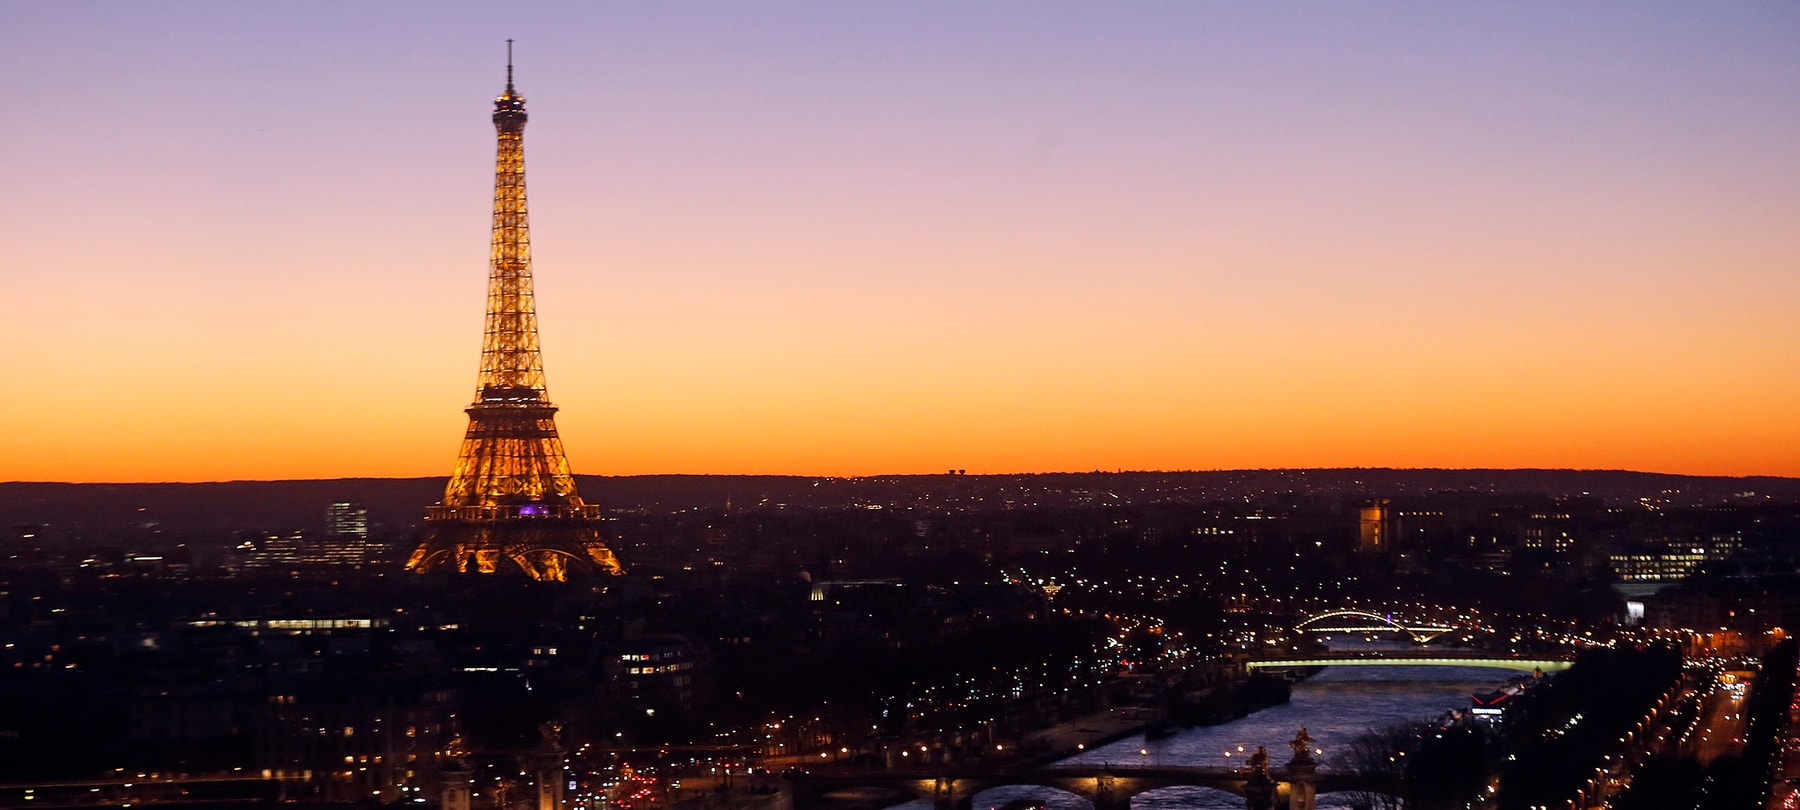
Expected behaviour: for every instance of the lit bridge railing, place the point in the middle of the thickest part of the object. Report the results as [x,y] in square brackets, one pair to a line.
[1413,659]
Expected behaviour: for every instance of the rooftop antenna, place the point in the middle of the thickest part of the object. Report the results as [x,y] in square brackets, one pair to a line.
[509,64]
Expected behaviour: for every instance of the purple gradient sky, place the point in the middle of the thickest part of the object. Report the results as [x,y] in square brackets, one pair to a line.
[249,240]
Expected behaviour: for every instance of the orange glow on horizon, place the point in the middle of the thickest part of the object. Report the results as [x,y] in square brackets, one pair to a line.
[904,239]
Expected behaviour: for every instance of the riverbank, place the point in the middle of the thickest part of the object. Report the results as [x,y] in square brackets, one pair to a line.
[1072,737]
[1219,703]
[1213,705]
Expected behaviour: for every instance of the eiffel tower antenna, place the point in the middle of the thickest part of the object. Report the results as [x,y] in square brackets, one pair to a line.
[511,502]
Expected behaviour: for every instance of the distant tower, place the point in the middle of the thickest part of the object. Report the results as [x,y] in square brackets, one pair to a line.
[511,502]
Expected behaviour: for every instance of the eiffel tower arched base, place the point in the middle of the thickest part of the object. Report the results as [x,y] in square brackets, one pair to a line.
[549,550]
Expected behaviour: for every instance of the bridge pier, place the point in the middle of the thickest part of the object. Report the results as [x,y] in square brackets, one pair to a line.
[945,795]
[1303,789]
[1302,773]
[1259,791]
[1108,796]
[953,803]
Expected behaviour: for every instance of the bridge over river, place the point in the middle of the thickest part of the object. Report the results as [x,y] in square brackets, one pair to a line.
[1352,620]
[1410,658]
[1108,787]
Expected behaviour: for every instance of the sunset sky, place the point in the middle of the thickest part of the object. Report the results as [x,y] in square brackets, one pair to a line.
[250,240]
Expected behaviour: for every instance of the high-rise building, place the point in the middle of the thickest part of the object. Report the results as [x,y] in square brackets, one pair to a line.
[511,502]
[347,519]
[1375,529]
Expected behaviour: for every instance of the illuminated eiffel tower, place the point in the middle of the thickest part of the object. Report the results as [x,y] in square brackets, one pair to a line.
[511,503]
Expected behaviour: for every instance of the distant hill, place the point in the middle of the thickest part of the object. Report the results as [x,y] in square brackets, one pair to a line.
[398,504]
[213,507]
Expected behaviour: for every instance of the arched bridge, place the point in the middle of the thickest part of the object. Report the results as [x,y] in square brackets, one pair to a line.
[1109,788]
[1350,620]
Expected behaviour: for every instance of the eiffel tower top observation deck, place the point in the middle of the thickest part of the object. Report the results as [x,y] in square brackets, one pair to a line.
[511,501]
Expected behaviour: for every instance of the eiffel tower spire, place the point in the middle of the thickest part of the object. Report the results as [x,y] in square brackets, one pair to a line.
[511,502]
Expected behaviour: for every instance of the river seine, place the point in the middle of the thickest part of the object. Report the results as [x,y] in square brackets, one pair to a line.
[1336,706]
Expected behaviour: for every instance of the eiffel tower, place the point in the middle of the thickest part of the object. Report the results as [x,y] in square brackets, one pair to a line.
[511,503]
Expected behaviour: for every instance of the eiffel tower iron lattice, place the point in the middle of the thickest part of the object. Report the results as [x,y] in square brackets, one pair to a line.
[511,502]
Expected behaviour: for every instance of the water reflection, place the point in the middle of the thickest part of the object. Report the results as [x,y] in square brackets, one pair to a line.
[1336,706]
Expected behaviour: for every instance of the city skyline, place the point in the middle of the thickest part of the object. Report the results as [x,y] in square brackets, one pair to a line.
[814,239]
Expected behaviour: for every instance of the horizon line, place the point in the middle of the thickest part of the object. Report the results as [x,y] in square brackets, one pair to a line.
[948,473]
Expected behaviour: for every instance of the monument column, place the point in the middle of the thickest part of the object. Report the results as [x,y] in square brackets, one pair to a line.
[1259,787]
[548,760]
[453,776]
[1303,773]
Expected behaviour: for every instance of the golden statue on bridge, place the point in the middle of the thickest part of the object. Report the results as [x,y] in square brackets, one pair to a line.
[1302,744]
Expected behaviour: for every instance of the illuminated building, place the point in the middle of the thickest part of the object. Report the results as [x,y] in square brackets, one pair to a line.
[1671,560]
[1553,540]
[298,549]
[1374,530]
[356,736]
[659,673]
[511,502]
[347,520]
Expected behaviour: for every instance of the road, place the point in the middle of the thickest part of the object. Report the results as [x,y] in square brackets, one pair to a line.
[1721,723]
